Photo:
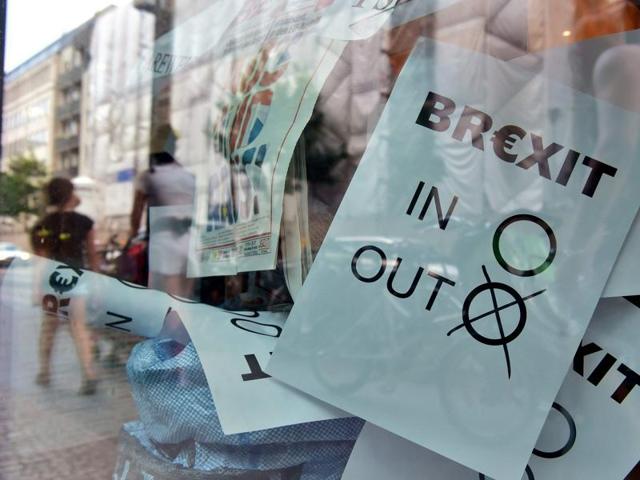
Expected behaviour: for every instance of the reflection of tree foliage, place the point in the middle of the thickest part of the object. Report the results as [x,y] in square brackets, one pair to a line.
[19,185]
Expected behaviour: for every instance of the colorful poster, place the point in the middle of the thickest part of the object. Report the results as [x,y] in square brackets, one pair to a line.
[591,433]
[233,346]
[270,69]
[465,261]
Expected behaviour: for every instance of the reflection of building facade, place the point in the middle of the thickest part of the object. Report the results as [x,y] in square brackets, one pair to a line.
[28,111]
[81,107]
[72,61]
[43,104]
[117,109]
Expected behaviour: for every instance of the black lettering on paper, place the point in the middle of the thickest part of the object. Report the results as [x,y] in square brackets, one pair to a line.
[381,270]
[434,196]
[269,330]
[567,167]
[476,123]
[583,351]
[504,140]
[540,156]
[631,380]
[116,324]
[431,109]
[256,372]
[440,280]
[607,362]
[414,282]
[598,169]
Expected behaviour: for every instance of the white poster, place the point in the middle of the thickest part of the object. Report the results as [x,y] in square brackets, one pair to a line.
[591,433]
[232,346]
[270,69]
[465,261]
[247,397]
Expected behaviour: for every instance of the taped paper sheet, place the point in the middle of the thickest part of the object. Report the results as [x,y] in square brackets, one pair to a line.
[465,261]
[232,346]
[592,432]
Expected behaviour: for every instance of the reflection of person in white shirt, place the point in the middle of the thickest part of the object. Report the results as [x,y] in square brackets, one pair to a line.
[166,183]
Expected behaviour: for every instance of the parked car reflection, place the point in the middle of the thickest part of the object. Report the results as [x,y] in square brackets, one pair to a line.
[9,251]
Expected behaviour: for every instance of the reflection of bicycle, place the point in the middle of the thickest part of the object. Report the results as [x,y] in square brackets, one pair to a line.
[463,390]
[554,453]
[394,336]
[505,338]
[362,369]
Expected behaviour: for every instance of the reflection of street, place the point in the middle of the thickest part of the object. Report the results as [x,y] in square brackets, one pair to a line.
[54,433]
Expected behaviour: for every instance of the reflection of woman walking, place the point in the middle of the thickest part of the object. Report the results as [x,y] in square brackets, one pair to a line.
[166,184]
[66,236]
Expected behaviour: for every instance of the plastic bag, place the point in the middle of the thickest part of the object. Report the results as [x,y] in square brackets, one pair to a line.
[180,420]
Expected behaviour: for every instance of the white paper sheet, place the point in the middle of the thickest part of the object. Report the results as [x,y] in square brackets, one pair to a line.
[461,269]
[232,346]
[588,435]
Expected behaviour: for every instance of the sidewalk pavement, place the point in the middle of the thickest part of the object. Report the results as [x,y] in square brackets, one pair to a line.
[53,433]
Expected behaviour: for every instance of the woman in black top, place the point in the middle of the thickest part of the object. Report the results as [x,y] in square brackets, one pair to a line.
[68,237]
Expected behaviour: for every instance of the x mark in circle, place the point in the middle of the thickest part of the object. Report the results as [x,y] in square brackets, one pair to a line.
[504,339]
